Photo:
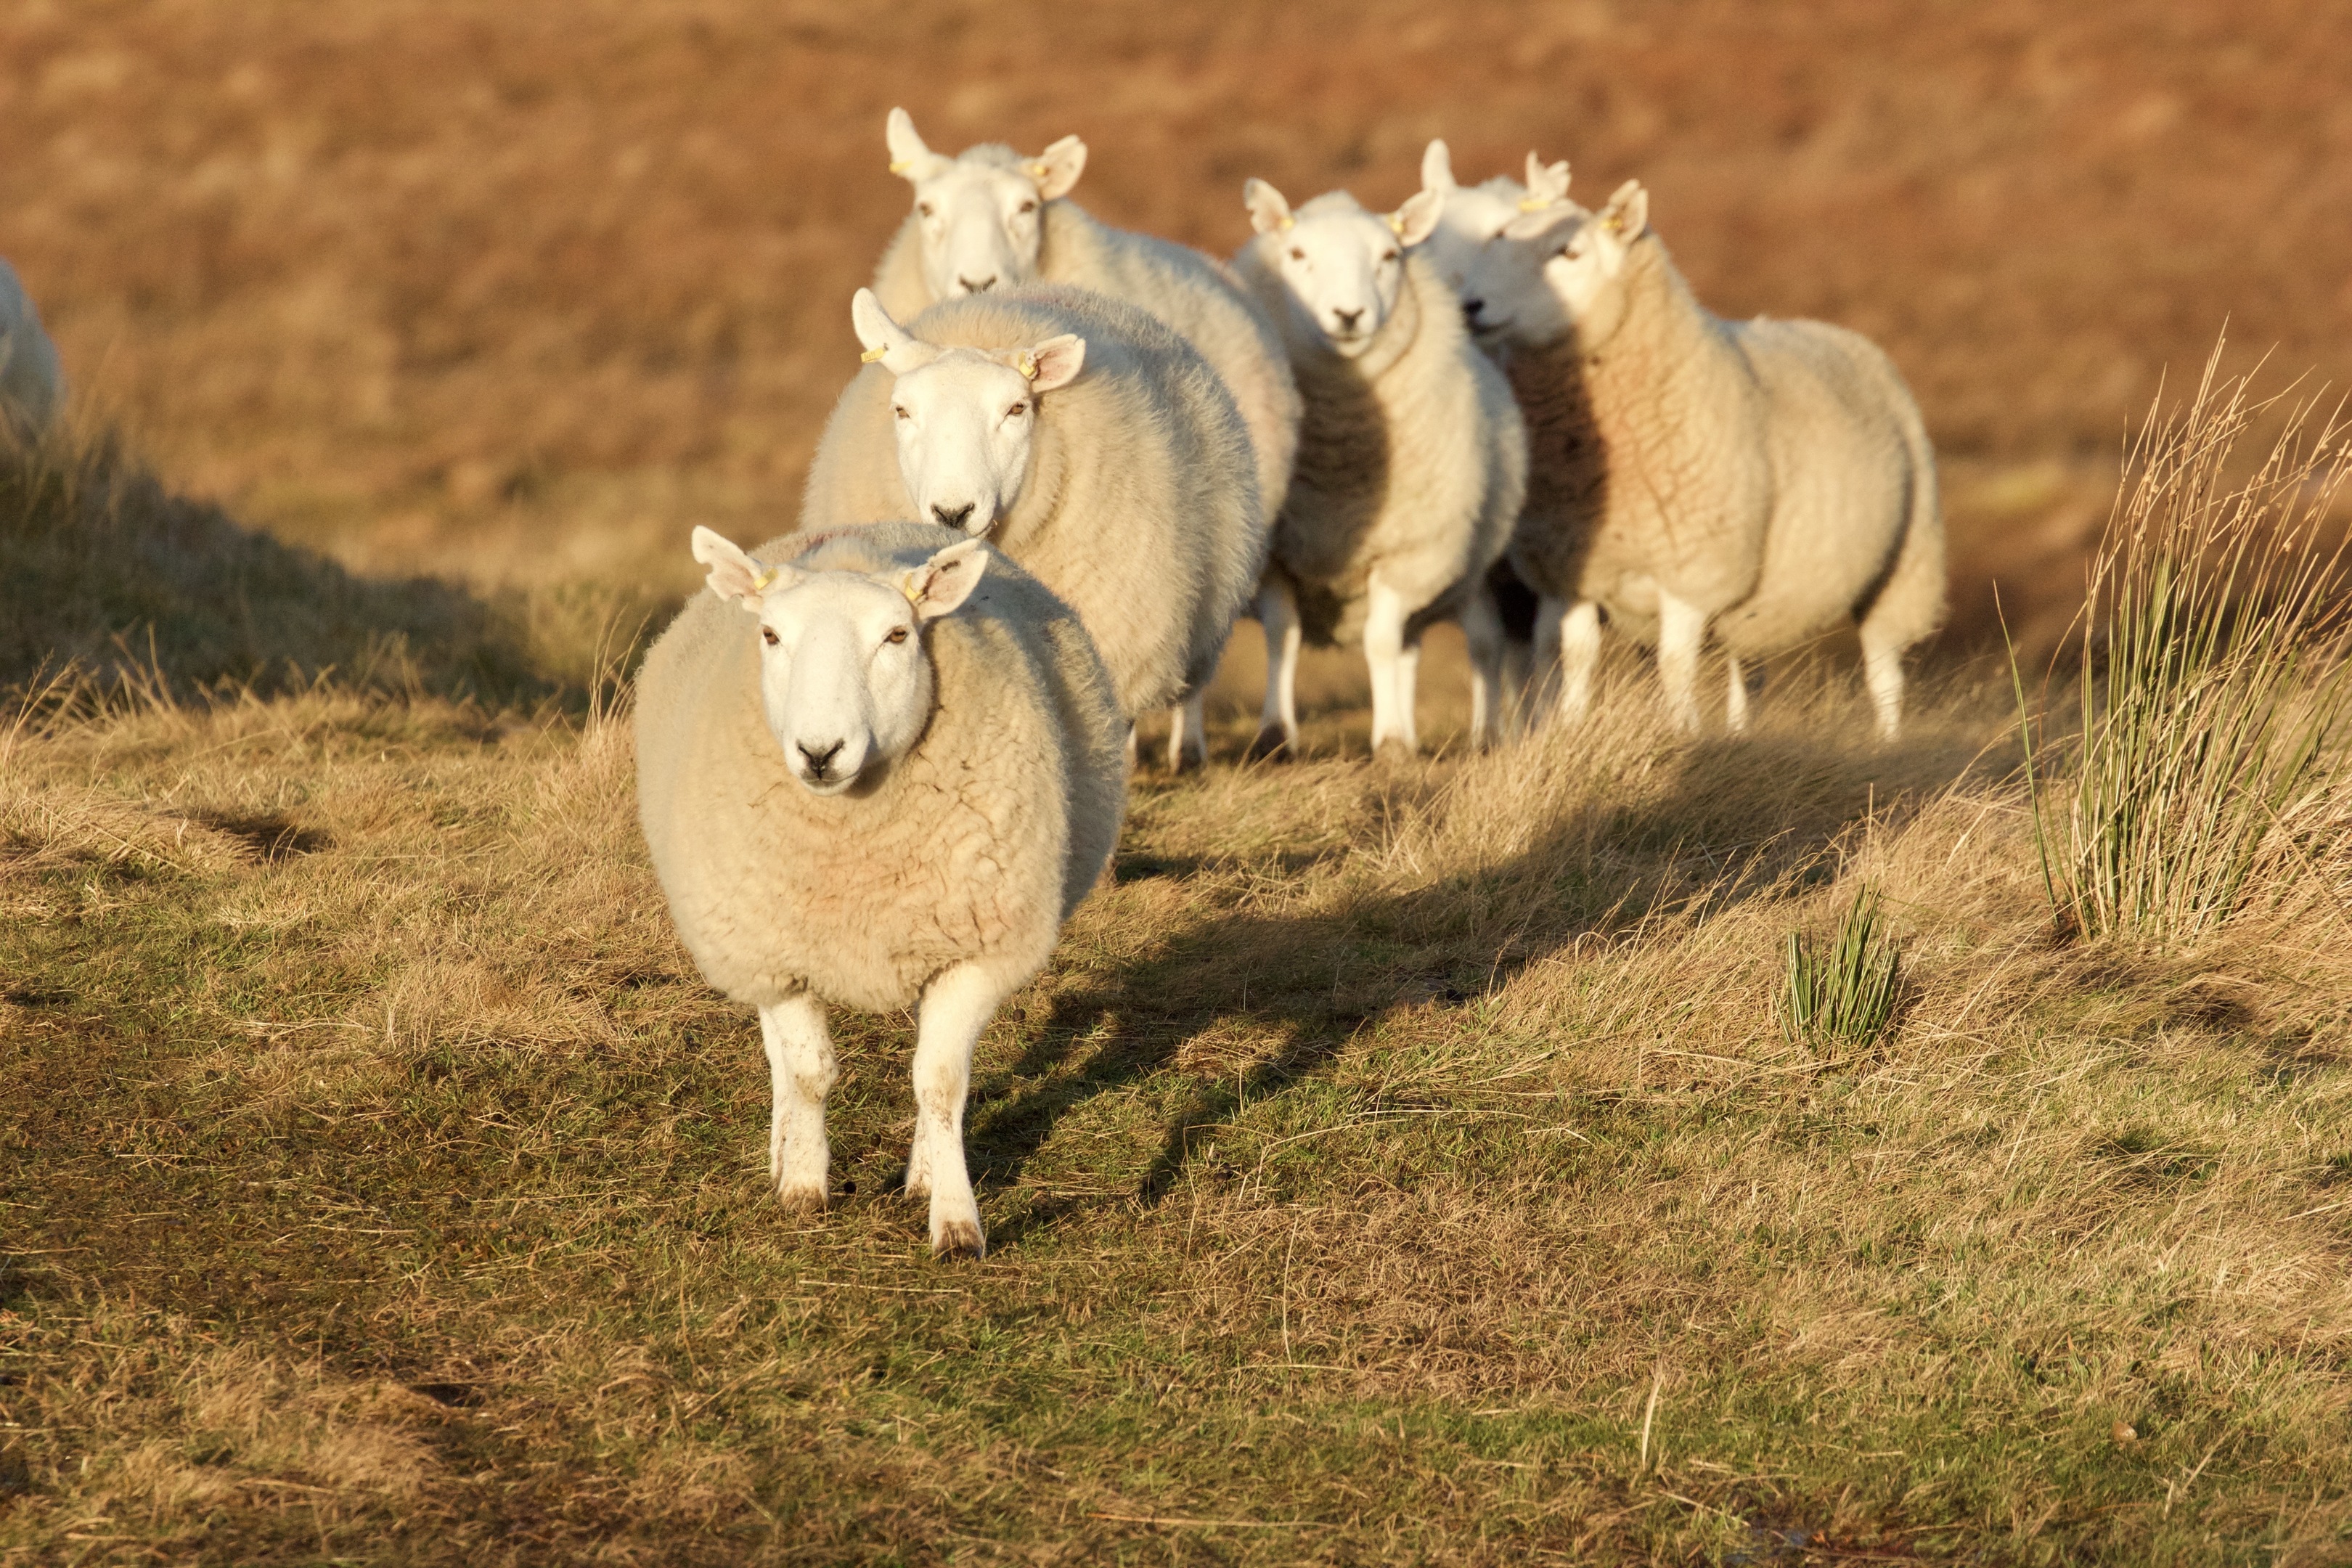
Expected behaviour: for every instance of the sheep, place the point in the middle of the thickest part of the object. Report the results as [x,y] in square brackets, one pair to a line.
[888,786]
[32,387]
[990,219]
[1411,457]
[1090,442]
[1770,480]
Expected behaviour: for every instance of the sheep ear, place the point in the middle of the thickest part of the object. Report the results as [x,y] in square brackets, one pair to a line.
[1627,215]
[1056,362]
[909,158]
[885,340]
[1269,214]
[1436,166]
[1057,168]
[1417,220]
[1541,221]
[736,576]
[1546,183]
[945,581]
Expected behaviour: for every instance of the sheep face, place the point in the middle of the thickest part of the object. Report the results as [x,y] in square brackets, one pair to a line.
[1344,267]
[1584,265]
[982,215]
[966,418]
[846,680]
[1497,280]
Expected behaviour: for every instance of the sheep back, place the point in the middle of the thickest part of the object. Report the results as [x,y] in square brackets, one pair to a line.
[1140,511]
[976,844]
[1411,455]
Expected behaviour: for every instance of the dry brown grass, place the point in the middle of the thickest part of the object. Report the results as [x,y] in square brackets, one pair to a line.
[1379,1143]
[522,289]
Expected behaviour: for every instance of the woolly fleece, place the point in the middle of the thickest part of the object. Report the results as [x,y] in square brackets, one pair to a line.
[1411,455]
[976,845]
[1139,510]
[32,384]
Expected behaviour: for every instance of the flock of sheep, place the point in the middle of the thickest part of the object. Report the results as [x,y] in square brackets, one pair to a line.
[1076,456]
[890,786]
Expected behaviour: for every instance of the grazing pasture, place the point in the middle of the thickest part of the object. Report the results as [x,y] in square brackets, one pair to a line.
[1614,1146]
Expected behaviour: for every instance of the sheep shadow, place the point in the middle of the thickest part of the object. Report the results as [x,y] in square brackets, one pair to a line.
[1313,982]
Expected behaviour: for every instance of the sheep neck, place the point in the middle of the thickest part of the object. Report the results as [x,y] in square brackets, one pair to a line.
[1667,360]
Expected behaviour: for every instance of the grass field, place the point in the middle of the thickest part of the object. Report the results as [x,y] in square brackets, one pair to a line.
[1401,1161]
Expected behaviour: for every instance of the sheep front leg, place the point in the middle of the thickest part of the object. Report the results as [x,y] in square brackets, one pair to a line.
[1481,629]
[1278,615]
[956,1007]
[1569,633]
[1682,633]
[1384,655]
[800,1073]
[1736,703]
[1882,671]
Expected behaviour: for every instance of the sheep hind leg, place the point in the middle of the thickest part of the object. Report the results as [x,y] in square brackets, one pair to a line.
[1735,705]
[1277,613]
[1576,645]
[1481,629]
[1882,671]
[955,1008]
[800,1073]
[1187,735]
[1682,633]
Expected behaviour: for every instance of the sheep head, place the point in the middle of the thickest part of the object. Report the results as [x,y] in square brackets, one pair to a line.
[980,216]
[1344,267]
[1498,281]
[965,418]
[1581,260]
[845,681]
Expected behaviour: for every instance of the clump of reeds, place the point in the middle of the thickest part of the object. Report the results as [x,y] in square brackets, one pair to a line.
[1845,993]
[2212,672]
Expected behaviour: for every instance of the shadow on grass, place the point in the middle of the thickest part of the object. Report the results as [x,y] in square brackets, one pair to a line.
[106,574]
[1741,820]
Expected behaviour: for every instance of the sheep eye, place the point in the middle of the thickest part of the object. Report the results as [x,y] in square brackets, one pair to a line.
[1026,208]
[898,634]
[1388,256]
[899,409]
[768,635]
[1016,411]
[924,209]
[1296,253]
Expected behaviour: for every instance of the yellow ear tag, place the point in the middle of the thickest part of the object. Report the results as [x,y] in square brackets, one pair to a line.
[1534,204]
[1288,223]
[1613,223]
[1027,367]
[870,355]
[760,583]
[1038,172]
[914,595]
[1396,225]
[899,167]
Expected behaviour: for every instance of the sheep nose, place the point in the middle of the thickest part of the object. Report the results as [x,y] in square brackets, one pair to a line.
[818,760]
[1347,318]
[1470,308]
[981,287]
[953,517]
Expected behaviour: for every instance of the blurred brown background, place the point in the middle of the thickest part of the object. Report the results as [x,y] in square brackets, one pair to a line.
[502,290]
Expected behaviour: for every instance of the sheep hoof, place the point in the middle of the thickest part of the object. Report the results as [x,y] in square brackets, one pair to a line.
[1270,745]
[958,1238]
[803,1197]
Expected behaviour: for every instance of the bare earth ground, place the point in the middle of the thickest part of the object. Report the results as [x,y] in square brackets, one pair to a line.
[1400,1162]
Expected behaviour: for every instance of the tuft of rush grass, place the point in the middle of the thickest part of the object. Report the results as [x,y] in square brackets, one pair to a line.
[1847,995]
[1393,1165]
[2212,678]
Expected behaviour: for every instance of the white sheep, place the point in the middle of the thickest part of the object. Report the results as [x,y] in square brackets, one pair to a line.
[1411,457]
[32,387]
[885,786]
[1090,443]
[1773,479]
[989,218]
